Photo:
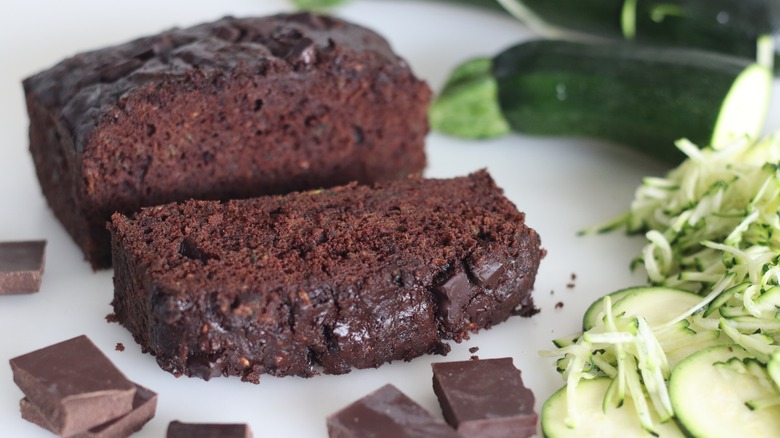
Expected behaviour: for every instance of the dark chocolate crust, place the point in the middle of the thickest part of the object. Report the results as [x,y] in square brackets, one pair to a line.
[230,109]
[348,277]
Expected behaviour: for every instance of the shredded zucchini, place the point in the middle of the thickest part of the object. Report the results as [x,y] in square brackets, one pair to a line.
[713,216]
[712,227]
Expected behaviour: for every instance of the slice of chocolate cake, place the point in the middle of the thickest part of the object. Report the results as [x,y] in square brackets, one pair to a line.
[230,109]
[353,276]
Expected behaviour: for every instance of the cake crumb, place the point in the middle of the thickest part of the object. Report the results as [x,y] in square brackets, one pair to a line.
[119,346]
[572,277]
[552,292]
[474,357]
[473,350]
[559,305]
[111,317]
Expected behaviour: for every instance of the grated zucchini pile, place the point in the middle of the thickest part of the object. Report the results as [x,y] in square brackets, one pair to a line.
[713,228]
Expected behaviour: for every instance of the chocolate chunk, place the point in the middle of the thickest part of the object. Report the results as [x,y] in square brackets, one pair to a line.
[144,406]
[453,295]
[178,429]
[304,51]
[73,385]
[386,412]
[485,398]
[486,269]
[21,266]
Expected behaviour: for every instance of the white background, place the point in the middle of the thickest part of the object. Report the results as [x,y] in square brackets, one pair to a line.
[563,185]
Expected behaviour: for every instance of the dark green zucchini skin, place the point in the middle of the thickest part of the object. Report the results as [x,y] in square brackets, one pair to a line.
[645,97]
[726,26]
[593,17]
[488,4]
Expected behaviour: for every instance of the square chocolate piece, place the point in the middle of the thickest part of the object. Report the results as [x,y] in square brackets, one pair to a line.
[144,406]
[387,412]
[73,385]
[21,266]
[177,429]
[485,398]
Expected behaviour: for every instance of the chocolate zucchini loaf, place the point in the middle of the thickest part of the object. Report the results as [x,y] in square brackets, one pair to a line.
[230,109]
[353,276]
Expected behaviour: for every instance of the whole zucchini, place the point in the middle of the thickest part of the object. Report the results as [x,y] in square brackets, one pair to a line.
[727,26]
[641,96]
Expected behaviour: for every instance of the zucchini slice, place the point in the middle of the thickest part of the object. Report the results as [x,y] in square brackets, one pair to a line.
[595,311]
[592,421]
[676,351]
[711,401]
[657,305]
[739,115]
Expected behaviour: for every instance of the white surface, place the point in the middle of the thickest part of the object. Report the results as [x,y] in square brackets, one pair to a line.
[562,185]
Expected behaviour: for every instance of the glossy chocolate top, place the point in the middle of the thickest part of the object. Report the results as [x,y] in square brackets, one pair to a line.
[85,85]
